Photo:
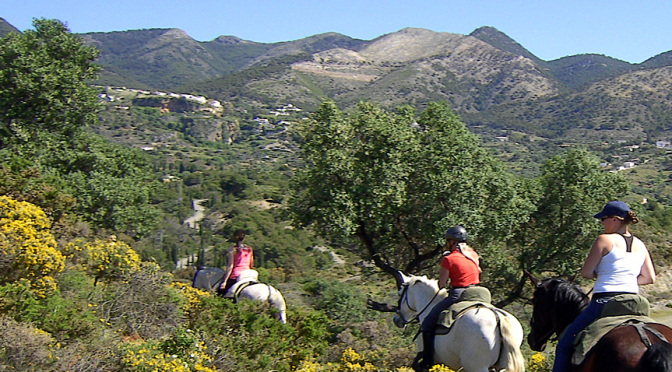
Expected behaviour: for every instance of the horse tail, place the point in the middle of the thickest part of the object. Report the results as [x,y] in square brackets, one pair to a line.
[509,354]
[657,358]
[277,301]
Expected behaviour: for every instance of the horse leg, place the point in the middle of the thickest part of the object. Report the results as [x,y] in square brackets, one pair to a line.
[277,301]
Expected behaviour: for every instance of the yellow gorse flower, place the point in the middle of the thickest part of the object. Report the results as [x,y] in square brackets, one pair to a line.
[193,296]
[148,356]
[25,238]
[104,259]
[538,363]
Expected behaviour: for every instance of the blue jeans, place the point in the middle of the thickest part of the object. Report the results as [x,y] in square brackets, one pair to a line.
[563,353]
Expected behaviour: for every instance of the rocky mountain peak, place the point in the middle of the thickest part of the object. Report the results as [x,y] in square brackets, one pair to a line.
[6,28]
[230,40]
[500,40]
[411,44]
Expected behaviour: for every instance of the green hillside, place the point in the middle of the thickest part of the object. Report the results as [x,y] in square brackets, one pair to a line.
[342,165]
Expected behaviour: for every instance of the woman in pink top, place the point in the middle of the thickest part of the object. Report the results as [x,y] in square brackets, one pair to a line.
[240,258]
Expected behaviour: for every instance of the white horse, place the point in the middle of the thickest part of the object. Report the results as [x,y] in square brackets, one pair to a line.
[246,287]
[479,340]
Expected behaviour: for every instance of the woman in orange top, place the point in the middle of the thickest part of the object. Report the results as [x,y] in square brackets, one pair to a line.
[240,258]
[460,265]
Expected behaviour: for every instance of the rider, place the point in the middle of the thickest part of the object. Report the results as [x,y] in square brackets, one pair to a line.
[621,264]
[239,259]
[460,265]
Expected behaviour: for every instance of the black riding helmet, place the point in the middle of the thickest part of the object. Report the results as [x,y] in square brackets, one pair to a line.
[457,233]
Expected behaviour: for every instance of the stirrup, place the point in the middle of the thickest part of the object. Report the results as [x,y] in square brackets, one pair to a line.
[420,364]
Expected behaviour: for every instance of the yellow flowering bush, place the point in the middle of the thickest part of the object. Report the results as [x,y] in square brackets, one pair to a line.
[351,361]
[538,363]
[104,259]
[27,247]
[193,303]
[182,353]
[440,368]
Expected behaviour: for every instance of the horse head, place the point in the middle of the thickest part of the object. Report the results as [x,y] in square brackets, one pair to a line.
[556,302]
[416,294]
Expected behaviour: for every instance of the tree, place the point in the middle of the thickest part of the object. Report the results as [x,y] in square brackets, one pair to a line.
[113,184]
[395,183]
[45,106]
[43,83]
[571,189]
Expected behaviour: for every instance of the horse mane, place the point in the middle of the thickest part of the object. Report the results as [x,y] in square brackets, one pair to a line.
[568,299]
[432,283]
[567,292]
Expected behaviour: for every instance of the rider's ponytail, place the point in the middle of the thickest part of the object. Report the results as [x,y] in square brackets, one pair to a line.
[632,217]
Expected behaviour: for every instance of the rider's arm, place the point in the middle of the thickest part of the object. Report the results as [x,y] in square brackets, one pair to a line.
[648,274]
[229,267]
[444,275]
[601,246]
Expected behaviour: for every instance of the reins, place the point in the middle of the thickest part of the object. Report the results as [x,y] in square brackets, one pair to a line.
[547,336]
[404,296]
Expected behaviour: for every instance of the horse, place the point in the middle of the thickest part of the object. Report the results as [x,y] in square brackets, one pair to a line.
[480,339]
[246,287]
[557,302]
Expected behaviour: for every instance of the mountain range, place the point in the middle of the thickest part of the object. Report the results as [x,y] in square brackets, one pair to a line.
[491,80]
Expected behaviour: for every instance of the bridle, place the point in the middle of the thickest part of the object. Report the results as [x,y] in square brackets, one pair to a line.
[547,335]
[403,299]
[554,326]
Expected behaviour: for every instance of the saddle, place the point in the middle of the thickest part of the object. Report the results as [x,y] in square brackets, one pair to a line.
[623,309]
[237,288]
[472,297]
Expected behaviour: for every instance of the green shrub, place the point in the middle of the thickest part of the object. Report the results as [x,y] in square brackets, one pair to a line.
[24,347]
[245,336]
[182,351]
[18,301]
[337,299]
[142,303]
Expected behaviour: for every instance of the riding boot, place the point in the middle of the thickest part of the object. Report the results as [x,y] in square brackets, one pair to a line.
[425,359]
[418,364]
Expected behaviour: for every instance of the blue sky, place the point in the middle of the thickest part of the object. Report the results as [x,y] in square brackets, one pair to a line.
[632,31]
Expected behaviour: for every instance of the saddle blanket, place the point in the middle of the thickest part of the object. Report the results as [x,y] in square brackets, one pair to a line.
[237,288]
[621,309]
[472,297]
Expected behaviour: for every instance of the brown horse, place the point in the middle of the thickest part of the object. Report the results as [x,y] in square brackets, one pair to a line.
[557,302]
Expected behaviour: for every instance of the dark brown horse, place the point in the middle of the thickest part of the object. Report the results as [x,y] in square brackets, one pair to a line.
[557,302]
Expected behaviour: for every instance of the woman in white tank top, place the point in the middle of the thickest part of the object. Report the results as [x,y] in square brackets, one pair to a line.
[619,261]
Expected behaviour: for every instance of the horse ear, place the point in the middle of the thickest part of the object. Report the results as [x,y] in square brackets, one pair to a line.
[400,278]
[533,279]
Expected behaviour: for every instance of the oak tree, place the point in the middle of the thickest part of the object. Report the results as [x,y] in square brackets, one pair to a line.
[395,181]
